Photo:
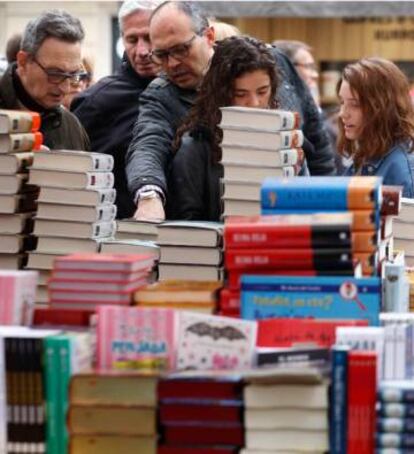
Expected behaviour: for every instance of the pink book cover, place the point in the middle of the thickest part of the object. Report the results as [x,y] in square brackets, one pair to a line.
[135,338]
[213,342]
[17,296]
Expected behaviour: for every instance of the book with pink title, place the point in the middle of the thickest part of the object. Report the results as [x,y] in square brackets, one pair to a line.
[17,296]
[213,342]
[135,338]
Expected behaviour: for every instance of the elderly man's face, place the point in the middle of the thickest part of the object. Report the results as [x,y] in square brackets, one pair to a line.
[39,74]
[184,55]
[135,36]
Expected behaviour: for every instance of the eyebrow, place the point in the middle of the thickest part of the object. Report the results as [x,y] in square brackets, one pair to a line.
[259,88]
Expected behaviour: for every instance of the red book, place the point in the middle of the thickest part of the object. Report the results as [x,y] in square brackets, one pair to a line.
[214,412]
[53,317]
[229,299]
[297,230]
[391,200]
[202,434]
[181,449]
[302,259]
[235,313]
[200,388]
[285,332]
[362,393]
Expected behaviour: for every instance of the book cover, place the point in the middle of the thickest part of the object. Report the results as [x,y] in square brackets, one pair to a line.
[48,227]
[12,121]
[190,233]
[73,160]
[316,297]
[339,193]
[135,337]
[77,213]
[250,155]
[84,197]
[213,342]
[71,180]
[13,143]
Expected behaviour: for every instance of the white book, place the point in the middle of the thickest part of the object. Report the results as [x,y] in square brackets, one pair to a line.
[191,255]
[286,418]
[168,271]
[255,174]
[396,289]
[241,207]
[62,245]
[76,213]
[71,180]
[238,190]
[89,197]
[47,227]
[73,160]
[250,155]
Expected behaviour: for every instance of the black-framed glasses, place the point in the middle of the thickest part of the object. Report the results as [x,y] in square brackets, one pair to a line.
[179,52]
[54,76]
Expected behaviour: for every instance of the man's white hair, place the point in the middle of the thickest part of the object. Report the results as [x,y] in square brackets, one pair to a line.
[131,6]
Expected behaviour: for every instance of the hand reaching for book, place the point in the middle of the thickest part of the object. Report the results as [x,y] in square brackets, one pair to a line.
[150,210]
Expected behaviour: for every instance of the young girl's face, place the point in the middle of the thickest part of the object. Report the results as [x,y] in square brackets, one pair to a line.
[350,112]
[252,89]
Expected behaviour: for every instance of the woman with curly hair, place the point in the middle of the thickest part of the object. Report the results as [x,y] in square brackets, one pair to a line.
[376,122]
[242,72]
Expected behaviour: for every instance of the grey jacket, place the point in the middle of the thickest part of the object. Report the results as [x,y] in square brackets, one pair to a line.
[164,105]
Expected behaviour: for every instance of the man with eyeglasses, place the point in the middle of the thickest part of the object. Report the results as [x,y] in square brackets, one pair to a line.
[182,43]
[48,63]
[108,109]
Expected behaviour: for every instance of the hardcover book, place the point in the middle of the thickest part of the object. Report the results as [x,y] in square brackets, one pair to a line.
[255,173]
[12,121]
[190,233]
[15,162]
[249,155]
[71,180]
[13,143]
[77,213]
[65,229]
[73,160]
[84,197]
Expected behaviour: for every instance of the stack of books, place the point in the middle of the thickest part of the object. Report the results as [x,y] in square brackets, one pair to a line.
[362,196]
[200,412]
[304,244]
[257,143]
[403,230]
[286,410]
[19,137]
[113,413]
[395,424]
[190,250]
[200,296]
[84,281]
[75,206]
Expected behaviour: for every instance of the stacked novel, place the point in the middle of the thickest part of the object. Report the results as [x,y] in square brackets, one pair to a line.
[113,413]
[360,195]
[395,424]
[19,138]
[404,231]
[286,410]
[84,281]
[303,244]
[75,206]
[190,250]
[131,229]
[200,296]
[201,413]
[257,143]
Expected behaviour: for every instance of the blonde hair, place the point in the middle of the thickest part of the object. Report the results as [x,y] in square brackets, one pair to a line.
[223,30]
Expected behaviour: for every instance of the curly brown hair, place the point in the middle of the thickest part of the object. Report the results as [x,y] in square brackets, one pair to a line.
[388,113]
[233,57]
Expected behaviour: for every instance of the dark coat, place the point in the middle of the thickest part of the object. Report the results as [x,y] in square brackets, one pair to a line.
[108,111]
[164,105]
[60,128]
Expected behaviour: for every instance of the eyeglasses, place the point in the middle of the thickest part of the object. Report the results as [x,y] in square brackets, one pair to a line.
[179,52]
[310,66]
[56,77]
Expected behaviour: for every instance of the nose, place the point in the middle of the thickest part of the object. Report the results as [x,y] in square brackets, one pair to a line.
[343,111]
[253,101]
[143,47]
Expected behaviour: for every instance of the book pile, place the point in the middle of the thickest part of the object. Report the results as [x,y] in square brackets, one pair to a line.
[113,413]
[404,231]
[395,424]
[200,413]
[84,281]
[286,411]
[303,244]
[17,296]
[75,205]
[257,143]
[65,354]
[19,137]
[361,196]
[200,296]
[131,229]
[190,250]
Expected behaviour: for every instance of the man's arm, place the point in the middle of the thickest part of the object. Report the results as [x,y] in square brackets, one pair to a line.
[295,95]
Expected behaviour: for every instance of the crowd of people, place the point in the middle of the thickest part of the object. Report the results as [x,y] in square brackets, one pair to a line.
[158,116]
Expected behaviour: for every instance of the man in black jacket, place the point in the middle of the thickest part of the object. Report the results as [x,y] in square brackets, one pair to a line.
[182,44]
[109,109]
[48,62]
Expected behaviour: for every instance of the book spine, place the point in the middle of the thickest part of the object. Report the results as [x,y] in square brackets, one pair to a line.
[339,398]
[291,139]
[103,229]
[396,293]
[13,121]
[395,425]
[64,358]
[102,162]
[396,410]
[395,394]
[105,213]
[309,357]
[289,120]
[99,180]
[391,200]
[3,397]
[106,196]
[395,440]
[53,435]
[22,142]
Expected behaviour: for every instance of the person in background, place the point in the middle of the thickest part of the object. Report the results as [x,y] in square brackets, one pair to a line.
[108,110]
[84,83]
[223,30]
[48,63]
[242,73]
[12,47]
[376,127]
[183,44]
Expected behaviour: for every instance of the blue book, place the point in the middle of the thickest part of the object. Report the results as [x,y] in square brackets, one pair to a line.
[328,193]
[339,400]
[315,297]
